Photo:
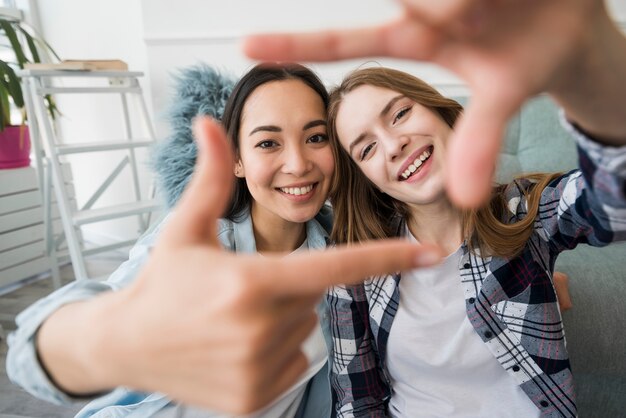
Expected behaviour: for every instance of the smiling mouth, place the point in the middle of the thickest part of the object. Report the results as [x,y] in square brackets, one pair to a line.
[298,191]
[416,165]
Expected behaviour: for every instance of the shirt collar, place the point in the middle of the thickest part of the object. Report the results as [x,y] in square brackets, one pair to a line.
[244,234]
[316,235]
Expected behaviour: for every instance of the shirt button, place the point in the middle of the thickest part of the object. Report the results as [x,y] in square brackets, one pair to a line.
[515,368]
[545,404]
[466,265]
[471,300]
[488,334]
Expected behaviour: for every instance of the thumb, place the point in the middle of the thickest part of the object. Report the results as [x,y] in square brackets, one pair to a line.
[208,192]
[473,150]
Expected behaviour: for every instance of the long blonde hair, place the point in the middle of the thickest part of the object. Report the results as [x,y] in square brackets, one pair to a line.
[362,212]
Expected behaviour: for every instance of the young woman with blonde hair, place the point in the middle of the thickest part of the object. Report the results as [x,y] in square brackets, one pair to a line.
[481,334]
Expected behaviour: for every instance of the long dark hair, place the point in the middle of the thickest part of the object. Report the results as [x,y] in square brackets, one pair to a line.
[262,73]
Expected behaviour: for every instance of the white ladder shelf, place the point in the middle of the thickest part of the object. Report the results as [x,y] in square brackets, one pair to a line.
[50,151]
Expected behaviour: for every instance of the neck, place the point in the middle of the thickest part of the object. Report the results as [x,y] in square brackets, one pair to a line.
[273,234]
[437,223]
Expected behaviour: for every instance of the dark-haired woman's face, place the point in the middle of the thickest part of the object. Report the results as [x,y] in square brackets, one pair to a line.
[397,143]
[284,153]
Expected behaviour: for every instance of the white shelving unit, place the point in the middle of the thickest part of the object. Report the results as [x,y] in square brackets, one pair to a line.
[24,250]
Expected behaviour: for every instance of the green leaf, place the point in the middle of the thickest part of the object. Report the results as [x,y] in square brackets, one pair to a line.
[31,44]
[5,109]
[52,107]
[15,43]
[39,40]
[10,87]
[50,49]
[13,84]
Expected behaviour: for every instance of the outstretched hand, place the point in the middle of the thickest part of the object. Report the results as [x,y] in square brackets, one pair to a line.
[232,323]
[506,51]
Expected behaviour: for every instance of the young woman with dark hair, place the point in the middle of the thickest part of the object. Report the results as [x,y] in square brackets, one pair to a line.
[276,121]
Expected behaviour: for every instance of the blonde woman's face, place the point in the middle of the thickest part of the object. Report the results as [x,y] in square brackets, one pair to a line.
[398,144]
[284,153]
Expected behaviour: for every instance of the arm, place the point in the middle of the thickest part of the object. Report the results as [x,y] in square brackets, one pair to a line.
[561,286]
[68,316]
[357,384]
[587,205]
[173,335]
[506,52]
[591,89]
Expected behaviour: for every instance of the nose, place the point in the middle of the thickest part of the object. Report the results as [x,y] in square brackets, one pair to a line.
[394,145]
[297,161]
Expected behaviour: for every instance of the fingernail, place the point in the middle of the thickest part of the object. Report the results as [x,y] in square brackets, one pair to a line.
[427,257]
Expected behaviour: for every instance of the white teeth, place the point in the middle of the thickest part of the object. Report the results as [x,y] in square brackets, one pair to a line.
[296,191]
[416,164]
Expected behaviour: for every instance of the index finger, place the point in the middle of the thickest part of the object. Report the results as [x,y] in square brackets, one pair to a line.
[403,38]
[329,45]
[318,270]
[473,148]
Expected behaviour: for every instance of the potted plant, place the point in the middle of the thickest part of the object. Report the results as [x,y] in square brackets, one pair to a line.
[15,139]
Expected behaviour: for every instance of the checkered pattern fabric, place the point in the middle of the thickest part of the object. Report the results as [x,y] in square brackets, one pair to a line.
[511,303]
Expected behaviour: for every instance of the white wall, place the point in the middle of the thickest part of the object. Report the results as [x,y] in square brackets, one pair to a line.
[617,8]
[161,36]
[194,30]
[181,34]
[96,30]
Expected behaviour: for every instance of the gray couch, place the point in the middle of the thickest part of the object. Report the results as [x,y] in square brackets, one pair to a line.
[595,327]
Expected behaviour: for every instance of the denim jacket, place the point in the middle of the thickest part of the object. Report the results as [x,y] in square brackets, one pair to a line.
[24,369]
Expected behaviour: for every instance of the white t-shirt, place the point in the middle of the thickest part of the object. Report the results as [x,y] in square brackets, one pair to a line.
[438,365]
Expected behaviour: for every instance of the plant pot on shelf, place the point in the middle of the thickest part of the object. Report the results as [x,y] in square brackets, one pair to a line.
[14,147]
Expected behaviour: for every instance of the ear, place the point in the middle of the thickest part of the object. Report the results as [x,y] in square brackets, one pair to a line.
[238,169]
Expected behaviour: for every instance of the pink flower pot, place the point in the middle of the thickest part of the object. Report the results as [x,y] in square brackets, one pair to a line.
[14,147]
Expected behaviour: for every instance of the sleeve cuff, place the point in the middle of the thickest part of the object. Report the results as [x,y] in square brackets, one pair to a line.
[610,158]
[23,366]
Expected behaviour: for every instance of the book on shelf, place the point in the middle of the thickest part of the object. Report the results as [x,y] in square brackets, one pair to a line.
[80,65]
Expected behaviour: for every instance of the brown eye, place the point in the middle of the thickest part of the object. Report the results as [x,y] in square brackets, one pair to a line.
[401,114]
[318,139]
[267,144]
[367,150]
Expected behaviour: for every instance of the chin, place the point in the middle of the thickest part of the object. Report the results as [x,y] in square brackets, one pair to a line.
[301,217]
[434,197]
[428,197]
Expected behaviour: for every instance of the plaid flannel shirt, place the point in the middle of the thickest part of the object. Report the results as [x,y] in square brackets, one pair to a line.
[511,303]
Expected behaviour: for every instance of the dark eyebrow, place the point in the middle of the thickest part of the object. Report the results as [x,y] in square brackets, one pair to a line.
[267,128]
[383,112]
[274,128]
[313,124]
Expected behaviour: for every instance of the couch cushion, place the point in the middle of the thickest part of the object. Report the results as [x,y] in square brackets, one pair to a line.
[534,142]
[594,327]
